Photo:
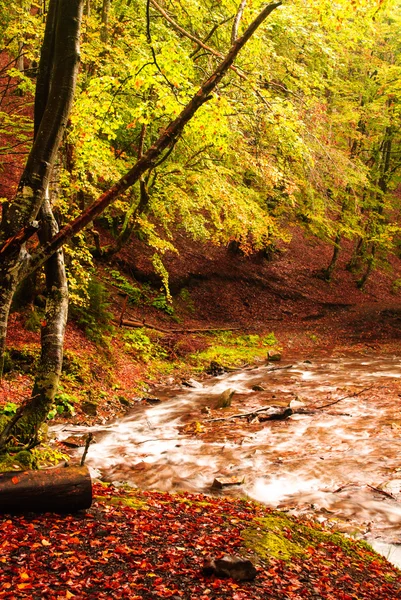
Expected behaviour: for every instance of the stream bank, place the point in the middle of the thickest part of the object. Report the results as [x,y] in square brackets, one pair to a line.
[336,458]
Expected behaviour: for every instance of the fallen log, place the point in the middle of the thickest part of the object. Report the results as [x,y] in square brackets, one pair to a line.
[60,490]
[139,324]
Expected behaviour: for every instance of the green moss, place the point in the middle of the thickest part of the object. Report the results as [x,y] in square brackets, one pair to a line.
[268,538]
[232,349]
[131,502]
[18,462]
[280,536]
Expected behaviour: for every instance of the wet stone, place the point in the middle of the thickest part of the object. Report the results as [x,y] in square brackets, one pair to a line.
[225,398]
[89,408]
[273,356]
[240,569]
[151,400]
[221,482]
[124,401]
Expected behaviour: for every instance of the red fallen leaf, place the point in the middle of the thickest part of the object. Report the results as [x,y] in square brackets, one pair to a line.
[15,480]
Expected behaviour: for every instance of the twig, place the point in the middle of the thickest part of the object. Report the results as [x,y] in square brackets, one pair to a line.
[344,398]
[382,492]
[87,444]
[279,368]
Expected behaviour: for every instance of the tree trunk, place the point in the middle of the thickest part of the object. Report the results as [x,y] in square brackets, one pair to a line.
[328,273]
[63,490]
[104,32]
[58,69]
[52,337]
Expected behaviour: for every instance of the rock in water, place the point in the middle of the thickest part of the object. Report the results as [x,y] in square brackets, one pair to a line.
[224,400]
[258,388]
[273,356]
[240,569]
[215,369]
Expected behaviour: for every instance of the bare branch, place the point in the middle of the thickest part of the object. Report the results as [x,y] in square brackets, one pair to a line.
[237,21]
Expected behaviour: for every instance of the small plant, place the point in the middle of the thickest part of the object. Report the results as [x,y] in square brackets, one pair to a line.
[95,318]
[141,346]
[134,293]
[186,297]
[9,409]
[45,456]
[161,303]
[396,286]
[62,403]
[34,320]
[269,340]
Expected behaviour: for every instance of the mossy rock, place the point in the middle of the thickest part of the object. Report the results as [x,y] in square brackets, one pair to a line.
[20,359]
[282,537]
[18,462]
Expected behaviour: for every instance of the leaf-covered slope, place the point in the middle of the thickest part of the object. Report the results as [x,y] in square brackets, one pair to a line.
[153,545]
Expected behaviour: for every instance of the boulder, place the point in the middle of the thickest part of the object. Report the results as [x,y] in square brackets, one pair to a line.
[215,369]
[220,482]
[191,383]
[273,356]
[224,400]
[240,569]
[89,408]
[258,388]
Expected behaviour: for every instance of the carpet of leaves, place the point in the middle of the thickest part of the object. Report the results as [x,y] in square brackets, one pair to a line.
[156,548]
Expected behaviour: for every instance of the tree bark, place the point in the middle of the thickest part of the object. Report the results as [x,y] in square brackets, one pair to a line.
[52,337]
[104,32]
[58,69]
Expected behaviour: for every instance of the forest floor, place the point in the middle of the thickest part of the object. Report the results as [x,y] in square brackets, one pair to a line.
[134,544]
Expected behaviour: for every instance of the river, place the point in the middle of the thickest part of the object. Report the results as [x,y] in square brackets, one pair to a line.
[341,463]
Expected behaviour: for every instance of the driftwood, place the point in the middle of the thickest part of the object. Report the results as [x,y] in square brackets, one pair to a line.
[129,323]
[60,490]
[254,413]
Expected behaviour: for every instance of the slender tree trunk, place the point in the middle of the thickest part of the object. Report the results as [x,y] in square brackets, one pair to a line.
[52,336]
[54,94]
[328,272]
[104,32]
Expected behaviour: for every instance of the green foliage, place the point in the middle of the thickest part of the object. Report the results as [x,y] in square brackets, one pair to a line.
[230,349]
[34,320]
[134,293]
[94,316]
[63,403]
[9,409]
[396,286]
[141,347]
[46,456]
[161,302]
[185,296]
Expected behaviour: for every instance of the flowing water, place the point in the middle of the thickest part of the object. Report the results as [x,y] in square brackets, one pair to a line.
[342,463]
